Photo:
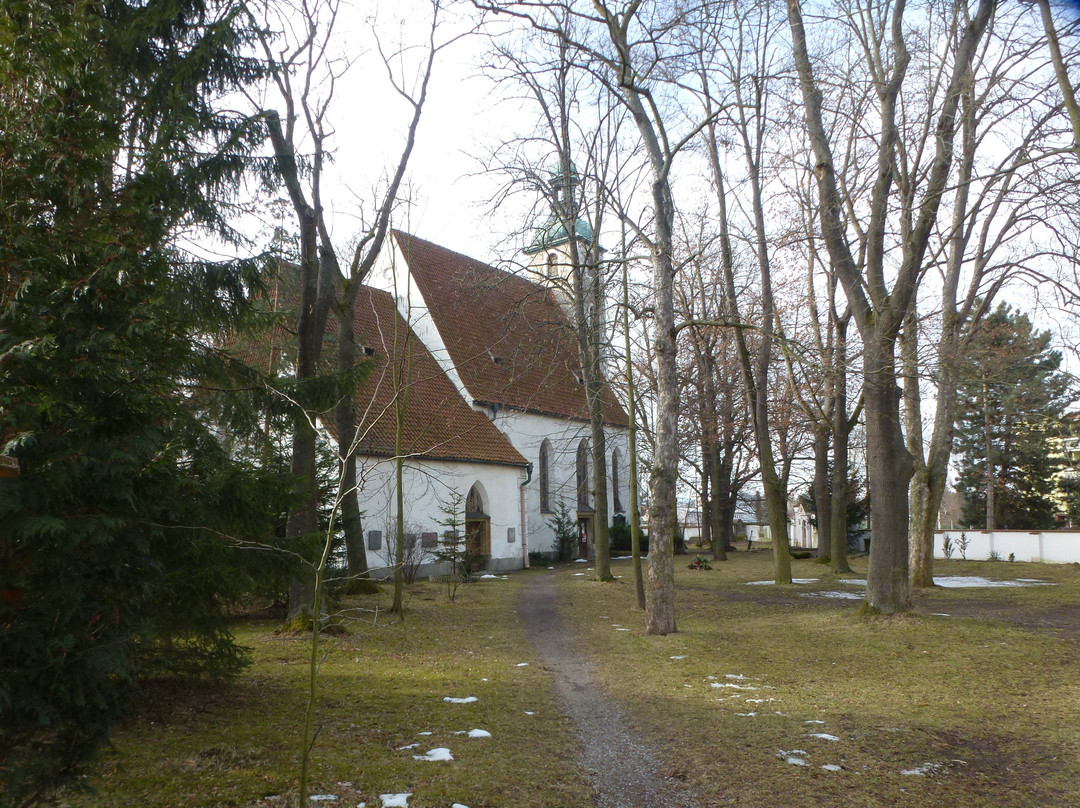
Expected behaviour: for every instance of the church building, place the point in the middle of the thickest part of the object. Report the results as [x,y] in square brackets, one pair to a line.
[477,384]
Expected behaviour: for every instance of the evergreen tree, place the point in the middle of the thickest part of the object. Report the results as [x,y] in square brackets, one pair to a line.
[117,532]
[1012,393]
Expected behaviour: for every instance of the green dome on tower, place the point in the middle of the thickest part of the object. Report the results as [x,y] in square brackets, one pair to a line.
[553,232]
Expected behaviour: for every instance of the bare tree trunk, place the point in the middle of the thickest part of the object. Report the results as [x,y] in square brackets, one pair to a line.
[345,423]
[889,468]
[822,497]
[631,409]
[841,429]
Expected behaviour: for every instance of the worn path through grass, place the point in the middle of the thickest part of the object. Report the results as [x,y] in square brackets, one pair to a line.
[624,772]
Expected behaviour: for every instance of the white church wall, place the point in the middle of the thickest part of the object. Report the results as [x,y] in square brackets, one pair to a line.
[527,431]
[427,484]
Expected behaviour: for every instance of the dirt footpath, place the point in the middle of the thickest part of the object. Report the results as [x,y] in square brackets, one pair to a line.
[623,771]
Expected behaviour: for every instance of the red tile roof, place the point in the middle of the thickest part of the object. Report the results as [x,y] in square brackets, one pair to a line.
[507,336]
[438,422]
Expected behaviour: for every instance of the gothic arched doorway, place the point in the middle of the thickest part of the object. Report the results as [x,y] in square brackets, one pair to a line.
[477,523]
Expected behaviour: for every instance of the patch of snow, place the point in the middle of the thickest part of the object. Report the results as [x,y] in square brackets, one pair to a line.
[732,685]
[395,800]
[484,679]
[923,770]
[680,656]
[622,629]
[979,582]
[323,797]
[458,805]
[551,568]
[522,665]
[425,733]
[488,577]
[439,753]
[474,733]
[710,677]
[831,767]
[687,685]
[823,736]
[529,712]
[576,574]
[466,700]
[738,677]
[940,614]
[580,561]
[794,757]
[854,581]
[833,595]
[793,580]
[746,715]
[814,721]
[410,746]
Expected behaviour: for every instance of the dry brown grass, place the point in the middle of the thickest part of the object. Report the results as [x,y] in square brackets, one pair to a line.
[989,695]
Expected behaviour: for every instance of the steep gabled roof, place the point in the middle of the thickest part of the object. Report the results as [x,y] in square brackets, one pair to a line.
[507,336]
[439,424]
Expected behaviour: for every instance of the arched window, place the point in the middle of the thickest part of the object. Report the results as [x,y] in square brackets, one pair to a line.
[583,474]
[617,500]
[544,474]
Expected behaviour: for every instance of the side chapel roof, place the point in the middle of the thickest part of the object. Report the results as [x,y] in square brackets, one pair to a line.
[507,336]
[439,423]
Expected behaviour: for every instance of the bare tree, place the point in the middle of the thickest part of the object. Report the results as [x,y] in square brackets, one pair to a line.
[297,41]
[879,307]
[1003,200]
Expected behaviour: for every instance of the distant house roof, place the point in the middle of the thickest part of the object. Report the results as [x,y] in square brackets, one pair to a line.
[507,336]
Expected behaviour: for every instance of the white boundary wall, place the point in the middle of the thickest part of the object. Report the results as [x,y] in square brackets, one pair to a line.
[1052,546]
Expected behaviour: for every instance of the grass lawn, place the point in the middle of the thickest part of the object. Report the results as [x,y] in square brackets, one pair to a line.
[985,703]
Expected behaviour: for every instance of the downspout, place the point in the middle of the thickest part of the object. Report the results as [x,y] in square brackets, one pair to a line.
[524,537]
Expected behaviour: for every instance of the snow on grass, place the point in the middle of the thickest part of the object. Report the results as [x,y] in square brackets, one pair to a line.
[622,629]
[823,736]
[438,754]
[581,561]
[323,797]
[793,580]
[923,770]
[395,800]
[529,712]
[458,805]
[474,733]
[579,574]
[940,614]
[678,656]
[979,582]
[466,700]
[853,581]
[733,685]
[747,715]
[407,748]
[425,733]
[793,756]
[814,721]
[522,665]
[833,595]
[831,767]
